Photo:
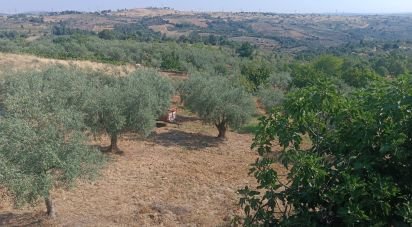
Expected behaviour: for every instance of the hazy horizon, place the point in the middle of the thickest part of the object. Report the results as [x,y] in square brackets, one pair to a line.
[291,6]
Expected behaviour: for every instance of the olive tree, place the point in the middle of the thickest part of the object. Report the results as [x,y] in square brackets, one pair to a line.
[256,72]
[131,103]
[218,101]
[270,97]
[272,92]
[281,80]
[42,144]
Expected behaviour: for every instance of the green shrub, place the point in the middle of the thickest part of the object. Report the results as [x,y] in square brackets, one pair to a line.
[354,171]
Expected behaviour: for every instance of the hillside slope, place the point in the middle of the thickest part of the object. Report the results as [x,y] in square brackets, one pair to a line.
[286,32]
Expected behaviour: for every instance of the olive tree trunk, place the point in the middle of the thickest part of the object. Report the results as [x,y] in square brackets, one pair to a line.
[113,144]
[51,212]
[221,127]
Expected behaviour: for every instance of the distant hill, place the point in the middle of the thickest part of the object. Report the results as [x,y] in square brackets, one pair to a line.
[288,32]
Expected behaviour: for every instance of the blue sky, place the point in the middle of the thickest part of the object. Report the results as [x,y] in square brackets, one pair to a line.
[280,6]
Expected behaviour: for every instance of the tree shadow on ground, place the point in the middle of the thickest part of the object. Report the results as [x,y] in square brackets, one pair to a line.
[182,119]
[190,141]
[24,219]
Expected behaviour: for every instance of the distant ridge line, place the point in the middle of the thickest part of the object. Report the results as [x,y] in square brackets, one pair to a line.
[210,11]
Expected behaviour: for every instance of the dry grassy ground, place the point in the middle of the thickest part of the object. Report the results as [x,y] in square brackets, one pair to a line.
[19,63]
[180,176]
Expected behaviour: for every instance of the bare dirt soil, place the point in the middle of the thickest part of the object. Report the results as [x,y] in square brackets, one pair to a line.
[180,176]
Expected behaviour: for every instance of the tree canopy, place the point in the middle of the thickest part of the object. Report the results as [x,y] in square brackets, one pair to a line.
[129,103]
[272,92]
[355,169]
[218,101]
[42,144]
[256,73]
[246,50]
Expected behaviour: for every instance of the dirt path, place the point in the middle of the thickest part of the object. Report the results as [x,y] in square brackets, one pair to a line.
[182,176]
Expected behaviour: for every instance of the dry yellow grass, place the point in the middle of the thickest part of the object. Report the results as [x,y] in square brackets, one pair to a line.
[19,63]
[15,63]
[164,29]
